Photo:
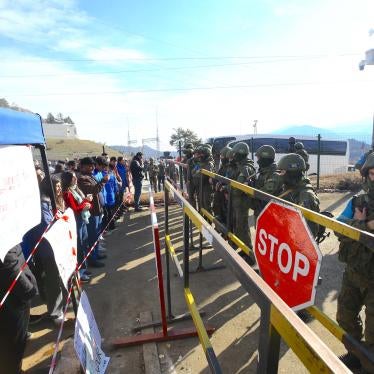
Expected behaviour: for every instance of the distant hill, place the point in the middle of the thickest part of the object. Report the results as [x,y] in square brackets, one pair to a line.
[359,131]
[147,151]
[305,130]
[60,149]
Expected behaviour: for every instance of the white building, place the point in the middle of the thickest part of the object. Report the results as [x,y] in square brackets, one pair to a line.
[59,130]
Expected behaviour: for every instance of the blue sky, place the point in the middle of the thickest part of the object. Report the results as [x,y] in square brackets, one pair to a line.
[212,66]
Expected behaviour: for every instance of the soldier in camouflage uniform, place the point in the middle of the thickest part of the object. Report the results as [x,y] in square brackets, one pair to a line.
[241,202]
[207,163]
[298,190]
[357,288]
[161,175]
[300,150]
[193,177]
[153,171]
[171,171]
[296,187]
[186,159]
[267,179]
[219,201]
[291,144]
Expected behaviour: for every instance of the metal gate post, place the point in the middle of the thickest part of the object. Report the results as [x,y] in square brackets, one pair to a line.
[186,257]
[167,257]
[269,343]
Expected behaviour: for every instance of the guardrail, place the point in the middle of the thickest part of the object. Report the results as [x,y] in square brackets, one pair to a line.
[277,319]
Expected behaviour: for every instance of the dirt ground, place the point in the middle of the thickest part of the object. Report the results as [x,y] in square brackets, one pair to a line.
[128,286]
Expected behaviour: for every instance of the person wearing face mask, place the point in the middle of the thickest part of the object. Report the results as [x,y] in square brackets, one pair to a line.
[244,173]
[296,187]
[267,179]
[207,163]
[194,166]
[357,288]
[300,150]
[219,201]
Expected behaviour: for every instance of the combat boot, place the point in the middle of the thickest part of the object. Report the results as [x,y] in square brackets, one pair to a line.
[350,361]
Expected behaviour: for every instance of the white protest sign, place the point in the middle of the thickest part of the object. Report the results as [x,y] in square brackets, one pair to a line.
[62,237]
[19,196]
[87,340]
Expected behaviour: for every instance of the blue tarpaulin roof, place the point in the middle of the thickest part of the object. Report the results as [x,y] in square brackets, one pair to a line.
[20,128]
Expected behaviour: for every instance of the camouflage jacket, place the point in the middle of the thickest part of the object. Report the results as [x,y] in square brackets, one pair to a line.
[153,170]
[161,170]
[244,173]
[358,258]
[268,180]
[304,154]
[223,169]
[303,194]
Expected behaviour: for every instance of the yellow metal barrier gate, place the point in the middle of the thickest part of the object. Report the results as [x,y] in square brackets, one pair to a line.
[277,319]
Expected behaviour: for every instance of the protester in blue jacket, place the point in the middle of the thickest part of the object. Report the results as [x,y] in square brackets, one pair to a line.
[111,189]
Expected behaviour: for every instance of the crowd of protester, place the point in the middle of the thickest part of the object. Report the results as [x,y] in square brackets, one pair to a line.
[94,189]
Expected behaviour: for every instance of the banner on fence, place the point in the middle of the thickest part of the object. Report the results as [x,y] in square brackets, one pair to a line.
[87,340]
[62,237]
[19,196]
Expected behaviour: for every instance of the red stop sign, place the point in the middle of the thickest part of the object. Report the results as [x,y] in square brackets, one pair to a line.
[287,254]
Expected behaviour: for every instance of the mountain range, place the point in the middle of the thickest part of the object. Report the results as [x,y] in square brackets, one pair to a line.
[146,150]
[359,131]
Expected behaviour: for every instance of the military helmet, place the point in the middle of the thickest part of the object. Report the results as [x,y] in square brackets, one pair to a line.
[266,151]
[368,164]
[240,148]
[224,151]
[291,140]
[292,162]
[205,150]
[188,146]
[199,148]
[299,145]
[151,159]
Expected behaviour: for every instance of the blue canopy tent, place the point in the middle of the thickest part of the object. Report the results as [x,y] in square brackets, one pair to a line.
[22,128]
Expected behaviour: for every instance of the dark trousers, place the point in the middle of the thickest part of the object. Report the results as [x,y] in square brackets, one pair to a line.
[108,214]
[82,238]
[161,180]
[138,191]
[93,231]
[14,322]
[48,278]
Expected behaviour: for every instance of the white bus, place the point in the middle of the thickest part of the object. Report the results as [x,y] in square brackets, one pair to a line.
[334,154]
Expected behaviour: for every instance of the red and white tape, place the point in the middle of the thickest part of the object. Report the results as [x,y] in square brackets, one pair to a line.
[15,280]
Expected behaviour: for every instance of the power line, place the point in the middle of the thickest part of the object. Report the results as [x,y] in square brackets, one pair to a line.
[260,85]
[153,69]
[185,58]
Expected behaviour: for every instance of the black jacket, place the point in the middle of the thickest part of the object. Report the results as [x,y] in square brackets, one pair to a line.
[137,168]
[25,288]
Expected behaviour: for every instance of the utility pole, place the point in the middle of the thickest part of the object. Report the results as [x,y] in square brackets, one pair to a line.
[255,127]
[157,134]
[372,135]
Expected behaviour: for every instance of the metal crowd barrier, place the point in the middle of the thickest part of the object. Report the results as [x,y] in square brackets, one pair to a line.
[362,236]
[277,319]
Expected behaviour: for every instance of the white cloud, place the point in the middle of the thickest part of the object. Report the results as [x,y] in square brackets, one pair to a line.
[114,55]
[39,21]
